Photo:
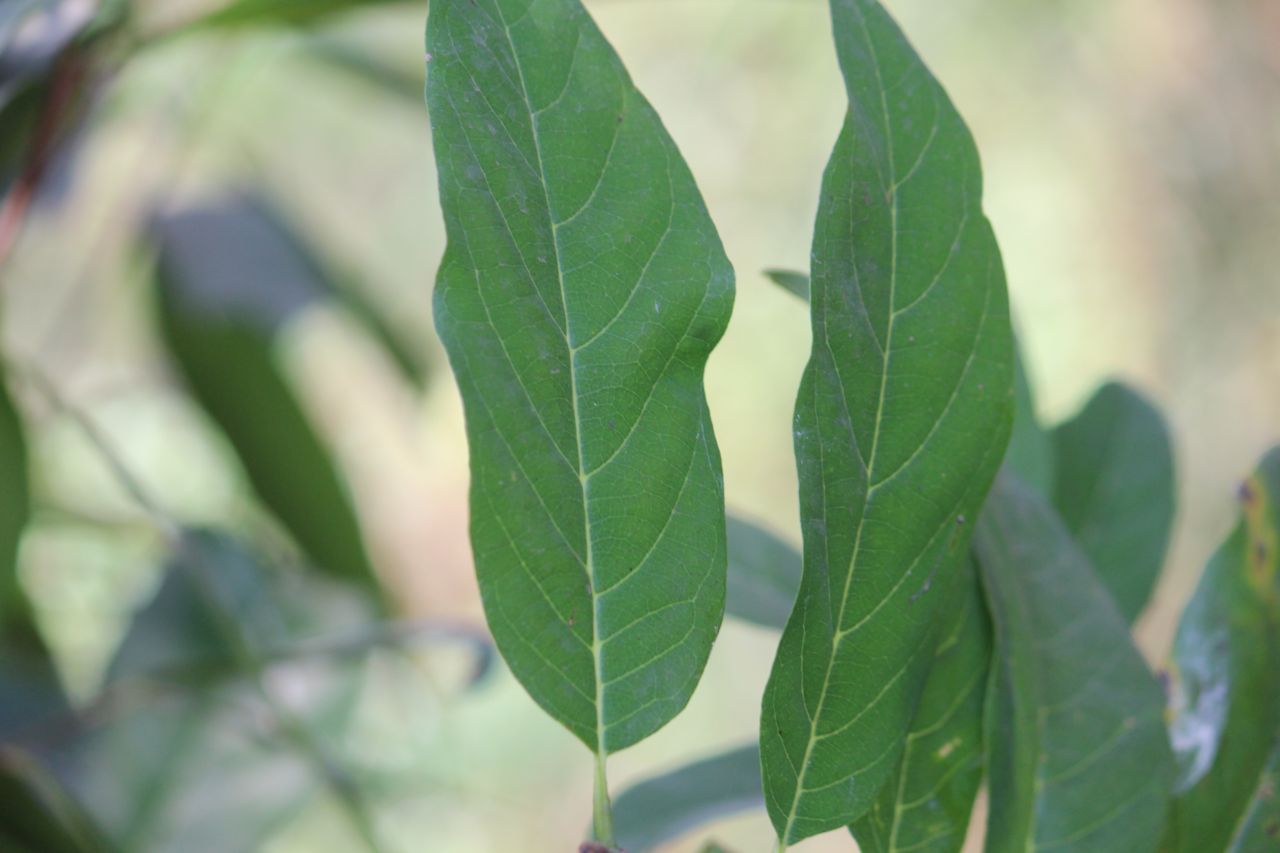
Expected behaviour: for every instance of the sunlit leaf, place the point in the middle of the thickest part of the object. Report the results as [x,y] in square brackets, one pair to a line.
[227,281]
[764,574]
[661,809]
[1225,674]
[1114,489]
[1077,755]
[581,292]
[927,802]
[903,417]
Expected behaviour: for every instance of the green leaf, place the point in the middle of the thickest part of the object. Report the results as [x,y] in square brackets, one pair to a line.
[764,574]
[1260,826]
[1114,489]
[1030,453]
[15,512]
[795,283]
[1078,759]
[927,802]
[903,417]
[581,292]
[659,810]
[40,816]
[226,284]
[1225,674]
[239,13]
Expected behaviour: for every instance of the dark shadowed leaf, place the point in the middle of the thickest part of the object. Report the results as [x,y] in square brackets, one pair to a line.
[226,284]
[795,283]
[659,810]
[1114,489]
[927,802]
[764,574]
[1030,453]
[581,292]
[15,511]
[1077,755]
[903,417]
[1225,674]
[38,814]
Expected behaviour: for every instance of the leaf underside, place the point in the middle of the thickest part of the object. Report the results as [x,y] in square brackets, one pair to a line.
[1113,487]
[1077,754]
[902,419]
[1225,675]
[582,289]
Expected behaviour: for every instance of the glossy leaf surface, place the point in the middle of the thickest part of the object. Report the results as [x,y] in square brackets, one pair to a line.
[581,292]
[228,279]
[764,574]
[1225,674]
[1078,759]
[927,802]
[1114,489]
[903,416]
[661,809]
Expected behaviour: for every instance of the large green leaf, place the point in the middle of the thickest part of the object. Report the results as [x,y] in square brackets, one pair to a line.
[227,281]
[661,809]
[927,802]
[1077,755]
[1113,486]
[581,292]
[902,419]
[764,574]
[1225,675]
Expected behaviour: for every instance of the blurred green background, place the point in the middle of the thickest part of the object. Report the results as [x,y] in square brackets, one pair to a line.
[1132,158]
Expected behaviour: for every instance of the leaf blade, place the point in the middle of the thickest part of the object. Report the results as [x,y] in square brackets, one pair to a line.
[1113,486]
[764,574]
[1225,673]
[579,352]
[824,762]
[1057,778]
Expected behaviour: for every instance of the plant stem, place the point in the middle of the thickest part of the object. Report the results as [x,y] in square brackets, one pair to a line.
[602,823]
[780,847]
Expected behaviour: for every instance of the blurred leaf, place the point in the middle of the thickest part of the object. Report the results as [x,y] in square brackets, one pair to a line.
[218,318]
[927,803]
[659,810]
[358,62]
[579,299]
[1225,674]
[292,12]
[1114,490]
[1030,453]
[902,419]
[764,574]
[15,511]
[795,283]
[1260,826]
[38,815]
[1077,755]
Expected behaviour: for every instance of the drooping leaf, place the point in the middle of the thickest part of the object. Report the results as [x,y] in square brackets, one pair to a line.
[39,816]
[581,292]
[226,282]
[659,810]
[1114,489]
[1259,828]
[1077,755]
[902,419]
[927,802]
[240,13]
[764,574]
[795,283]
[1030,453]
[1225,673]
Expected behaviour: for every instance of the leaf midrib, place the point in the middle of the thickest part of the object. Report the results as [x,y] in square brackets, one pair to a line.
[596,646]
[839,636]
